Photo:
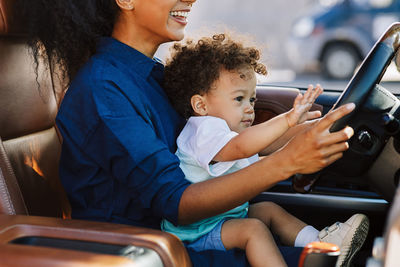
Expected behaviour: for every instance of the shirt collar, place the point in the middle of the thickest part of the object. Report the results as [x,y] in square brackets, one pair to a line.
[127,55]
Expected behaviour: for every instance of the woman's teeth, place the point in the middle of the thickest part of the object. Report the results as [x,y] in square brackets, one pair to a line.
[179,13]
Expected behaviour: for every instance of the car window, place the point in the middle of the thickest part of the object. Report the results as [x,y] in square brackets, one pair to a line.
[303,41]
[372,3]
[330,3]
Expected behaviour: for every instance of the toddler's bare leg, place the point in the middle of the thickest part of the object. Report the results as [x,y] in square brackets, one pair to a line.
[279,221]
[253,236]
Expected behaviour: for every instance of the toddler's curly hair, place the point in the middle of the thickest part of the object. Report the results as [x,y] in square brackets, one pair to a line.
[195,66]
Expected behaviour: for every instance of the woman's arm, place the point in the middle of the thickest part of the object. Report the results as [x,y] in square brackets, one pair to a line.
[256,138]
[308,152]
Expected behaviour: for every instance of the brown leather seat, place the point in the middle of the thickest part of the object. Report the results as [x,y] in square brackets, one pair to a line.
[29,146]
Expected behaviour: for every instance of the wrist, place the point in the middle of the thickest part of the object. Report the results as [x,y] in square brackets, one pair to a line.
[282,165]
[287,164]
[288,117]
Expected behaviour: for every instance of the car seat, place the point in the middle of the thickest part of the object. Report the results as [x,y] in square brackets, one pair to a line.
[29,145]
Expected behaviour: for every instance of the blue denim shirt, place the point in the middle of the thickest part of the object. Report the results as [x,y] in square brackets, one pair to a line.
[119,138]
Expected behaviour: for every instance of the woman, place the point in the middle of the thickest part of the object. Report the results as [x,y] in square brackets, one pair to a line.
[119,129]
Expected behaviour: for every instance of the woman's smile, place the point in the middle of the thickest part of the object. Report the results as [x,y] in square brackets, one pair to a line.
[180,16]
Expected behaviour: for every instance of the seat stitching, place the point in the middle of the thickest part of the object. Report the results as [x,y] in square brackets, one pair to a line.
[4,191]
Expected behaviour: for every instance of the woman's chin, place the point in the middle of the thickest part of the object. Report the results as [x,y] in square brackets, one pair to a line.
[176,34]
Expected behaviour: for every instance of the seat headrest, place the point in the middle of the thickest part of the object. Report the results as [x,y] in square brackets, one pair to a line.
[8,22]
[27,99]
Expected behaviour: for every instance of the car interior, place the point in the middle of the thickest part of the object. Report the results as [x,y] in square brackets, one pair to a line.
[35,224]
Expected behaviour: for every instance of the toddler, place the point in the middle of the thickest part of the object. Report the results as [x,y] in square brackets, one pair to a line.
[212,83]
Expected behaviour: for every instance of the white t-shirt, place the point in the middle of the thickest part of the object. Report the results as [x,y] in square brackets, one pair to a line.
[198,143]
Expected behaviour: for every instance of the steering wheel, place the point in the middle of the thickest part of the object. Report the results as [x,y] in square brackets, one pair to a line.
[369,74]
[363,91]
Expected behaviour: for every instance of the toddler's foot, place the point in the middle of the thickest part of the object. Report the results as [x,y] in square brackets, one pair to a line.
[349,236]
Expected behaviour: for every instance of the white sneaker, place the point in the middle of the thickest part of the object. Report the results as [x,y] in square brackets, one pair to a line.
[349,236]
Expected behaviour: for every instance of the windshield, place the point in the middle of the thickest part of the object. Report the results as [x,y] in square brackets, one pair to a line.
[301,43]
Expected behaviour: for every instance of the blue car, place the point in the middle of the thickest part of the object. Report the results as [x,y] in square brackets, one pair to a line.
[335,36]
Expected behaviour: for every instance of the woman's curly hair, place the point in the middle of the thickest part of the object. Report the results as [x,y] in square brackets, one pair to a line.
[65,32]
[195,66]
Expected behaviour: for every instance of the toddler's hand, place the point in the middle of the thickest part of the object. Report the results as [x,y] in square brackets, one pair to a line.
[301,106]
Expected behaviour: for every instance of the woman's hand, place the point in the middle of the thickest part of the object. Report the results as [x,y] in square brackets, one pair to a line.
[316,147]
[301,106]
